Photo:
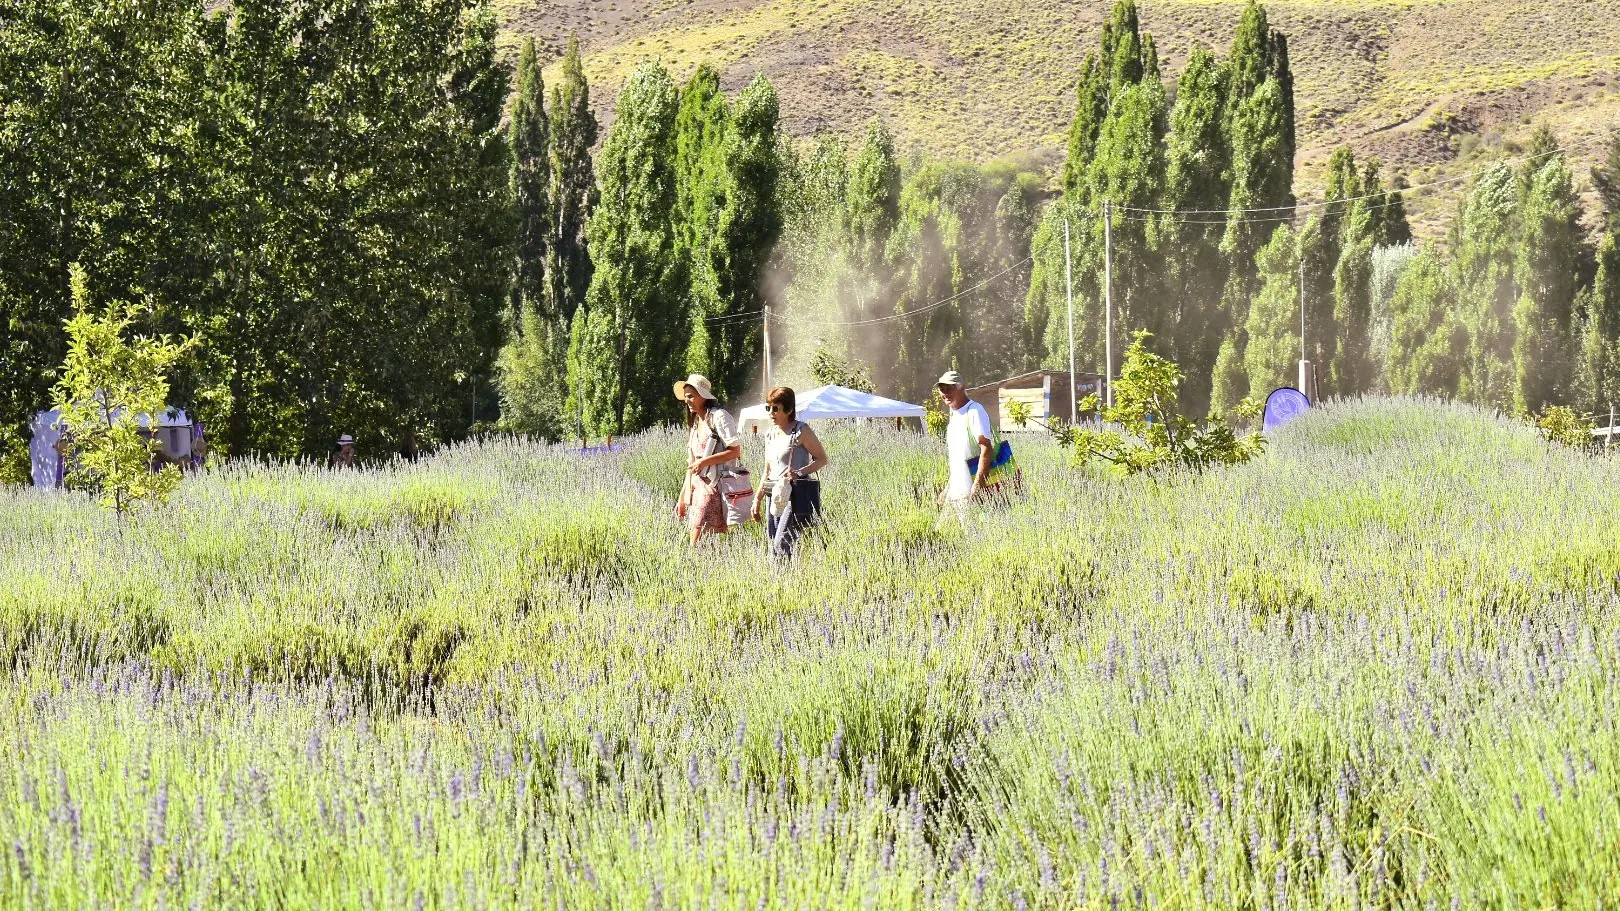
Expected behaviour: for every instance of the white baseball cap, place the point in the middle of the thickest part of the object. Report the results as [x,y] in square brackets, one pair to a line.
[950,378]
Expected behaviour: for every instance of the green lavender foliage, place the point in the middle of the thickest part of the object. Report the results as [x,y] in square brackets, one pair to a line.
[496,676]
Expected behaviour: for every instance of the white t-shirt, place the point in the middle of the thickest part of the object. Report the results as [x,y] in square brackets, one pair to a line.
[968,423]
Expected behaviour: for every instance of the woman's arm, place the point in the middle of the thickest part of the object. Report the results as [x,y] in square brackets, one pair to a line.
[719,458]
[818,454]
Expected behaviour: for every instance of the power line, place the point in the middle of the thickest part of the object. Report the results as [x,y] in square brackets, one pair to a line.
[733,317]
[909,313]
[1257,221]
[1349,199]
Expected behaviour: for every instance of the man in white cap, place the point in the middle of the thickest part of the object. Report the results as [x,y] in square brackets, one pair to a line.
[967,436]
[345,453]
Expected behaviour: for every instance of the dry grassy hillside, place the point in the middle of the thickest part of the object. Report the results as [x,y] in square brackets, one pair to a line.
[1434,87]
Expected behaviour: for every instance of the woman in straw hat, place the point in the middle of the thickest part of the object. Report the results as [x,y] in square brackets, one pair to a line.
[713,445]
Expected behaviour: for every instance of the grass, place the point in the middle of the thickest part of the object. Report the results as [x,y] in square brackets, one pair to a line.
[1373,668]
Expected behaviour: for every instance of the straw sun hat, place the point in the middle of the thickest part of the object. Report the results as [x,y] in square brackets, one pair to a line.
[700,383]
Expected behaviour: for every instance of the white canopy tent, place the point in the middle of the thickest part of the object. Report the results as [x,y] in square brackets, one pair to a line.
[173,432]
[827,402]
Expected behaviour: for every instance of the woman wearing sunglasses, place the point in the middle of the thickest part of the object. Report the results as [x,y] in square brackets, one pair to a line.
[792,455]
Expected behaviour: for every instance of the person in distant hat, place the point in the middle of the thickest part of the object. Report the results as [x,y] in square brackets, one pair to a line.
[967,436]
[713,446]
[345,453]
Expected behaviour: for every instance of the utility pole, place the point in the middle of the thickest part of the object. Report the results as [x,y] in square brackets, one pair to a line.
[1305,372]
[1108,300]
[767,316]
[1068,290]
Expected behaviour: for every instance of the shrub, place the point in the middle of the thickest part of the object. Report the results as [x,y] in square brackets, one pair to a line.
[1153,434]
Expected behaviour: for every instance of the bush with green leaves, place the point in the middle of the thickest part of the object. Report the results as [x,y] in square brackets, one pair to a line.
[1144,431]
[108,385]
[1562,424]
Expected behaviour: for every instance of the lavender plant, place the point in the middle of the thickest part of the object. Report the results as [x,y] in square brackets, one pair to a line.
[1372,667]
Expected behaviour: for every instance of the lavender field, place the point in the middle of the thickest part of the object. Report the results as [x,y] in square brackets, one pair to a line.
[1375,668]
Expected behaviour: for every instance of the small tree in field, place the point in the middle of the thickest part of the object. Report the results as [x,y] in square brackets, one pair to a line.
[1562,424]
[107,383]
[1153,434]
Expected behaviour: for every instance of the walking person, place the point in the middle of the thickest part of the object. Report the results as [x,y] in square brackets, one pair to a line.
[967,437]
[713,451]
[791,493]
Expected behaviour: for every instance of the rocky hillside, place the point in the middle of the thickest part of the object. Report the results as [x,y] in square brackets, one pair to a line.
[1434,87]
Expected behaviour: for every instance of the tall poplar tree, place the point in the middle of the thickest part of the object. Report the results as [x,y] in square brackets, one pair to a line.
[1428,340]
[531,189]
[871,213]
[1115,153]
[1273,320]
[573,187]
[1197,183]
[532,366]
[748,228]
[629,338]
[1600,319]
[1260,128]
[701,126]
[1551,265]
[1483,242]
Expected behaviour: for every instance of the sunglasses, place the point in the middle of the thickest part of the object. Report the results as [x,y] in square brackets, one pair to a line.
[779,409]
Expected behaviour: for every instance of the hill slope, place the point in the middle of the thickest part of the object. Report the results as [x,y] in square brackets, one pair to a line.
[1431,86]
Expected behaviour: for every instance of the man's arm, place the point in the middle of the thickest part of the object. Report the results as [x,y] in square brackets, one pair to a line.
[984,463]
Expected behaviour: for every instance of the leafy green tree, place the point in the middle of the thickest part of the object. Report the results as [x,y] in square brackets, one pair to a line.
[635,322]
[1260,185]
[748,229]
[1260,130]
[1091,108]
[1483,242]
[1598,379]
[1129,172]
[1197,183]
[729,220]
[872,207]
[99,104]
[1273,325]
[1428,339]
[962,234]
[701,126]
[531,368]
[871,215]
[1115,153]
[1231,382]
[359,250]
[573,190]
[533,379]
[531,189]
[108,384]
[1550,265]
